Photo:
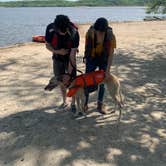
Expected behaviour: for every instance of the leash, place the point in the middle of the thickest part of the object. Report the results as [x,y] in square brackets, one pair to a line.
[74,66]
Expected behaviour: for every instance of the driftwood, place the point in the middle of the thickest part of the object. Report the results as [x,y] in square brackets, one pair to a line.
[154,18]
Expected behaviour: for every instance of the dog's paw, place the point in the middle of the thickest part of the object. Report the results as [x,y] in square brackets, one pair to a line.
[79,115]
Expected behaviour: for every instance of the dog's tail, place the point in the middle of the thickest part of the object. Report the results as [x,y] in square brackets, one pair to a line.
[119,99]
[120,103]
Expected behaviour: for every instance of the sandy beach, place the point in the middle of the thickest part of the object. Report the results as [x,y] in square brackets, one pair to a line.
[34,131]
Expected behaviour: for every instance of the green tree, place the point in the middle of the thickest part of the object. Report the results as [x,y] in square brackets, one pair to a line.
[157,6]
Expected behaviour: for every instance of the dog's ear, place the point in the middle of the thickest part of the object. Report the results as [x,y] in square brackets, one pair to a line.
[53,82]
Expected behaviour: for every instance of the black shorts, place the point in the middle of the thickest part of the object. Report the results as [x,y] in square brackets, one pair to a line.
[59,68]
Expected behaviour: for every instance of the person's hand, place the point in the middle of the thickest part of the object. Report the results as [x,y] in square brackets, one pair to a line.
[63,51]
[66,80]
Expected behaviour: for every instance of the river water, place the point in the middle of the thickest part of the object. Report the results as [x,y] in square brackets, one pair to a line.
[18,25]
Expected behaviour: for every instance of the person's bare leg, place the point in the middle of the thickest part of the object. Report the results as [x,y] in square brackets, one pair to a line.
[63,91]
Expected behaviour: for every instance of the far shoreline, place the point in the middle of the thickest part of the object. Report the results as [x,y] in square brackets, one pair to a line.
[80,25]
[69,6]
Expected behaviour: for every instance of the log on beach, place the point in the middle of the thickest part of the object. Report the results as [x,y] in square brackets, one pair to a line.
[154,18]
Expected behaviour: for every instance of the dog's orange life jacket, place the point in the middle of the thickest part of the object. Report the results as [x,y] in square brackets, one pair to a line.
[85,80]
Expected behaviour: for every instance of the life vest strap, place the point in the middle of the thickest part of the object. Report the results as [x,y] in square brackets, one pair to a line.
[85,84]
[95,83]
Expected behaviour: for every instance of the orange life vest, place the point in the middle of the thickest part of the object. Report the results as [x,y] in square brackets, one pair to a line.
[85,80]
[68,43]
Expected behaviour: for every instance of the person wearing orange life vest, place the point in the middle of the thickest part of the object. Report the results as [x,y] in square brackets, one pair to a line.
[62,39]
[99,48]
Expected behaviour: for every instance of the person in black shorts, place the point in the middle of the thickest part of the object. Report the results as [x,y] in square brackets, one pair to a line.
[62,39]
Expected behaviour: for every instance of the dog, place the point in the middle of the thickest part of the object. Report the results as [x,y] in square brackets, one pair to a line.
[114,88]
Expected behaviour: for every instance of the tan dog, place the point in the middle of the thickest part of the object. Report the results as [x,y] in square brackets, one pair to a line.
[113,86]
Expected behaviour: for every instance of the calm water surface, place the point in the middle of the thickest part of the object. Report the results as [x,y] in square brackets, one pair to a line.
[18,25]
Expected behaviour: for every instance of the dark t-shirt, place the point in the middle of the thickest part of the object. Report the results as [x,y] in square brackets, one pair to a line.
[62,41]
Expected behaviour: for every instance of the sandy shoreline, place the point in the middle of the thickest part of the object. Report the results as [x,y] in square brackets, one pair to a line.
[34,132]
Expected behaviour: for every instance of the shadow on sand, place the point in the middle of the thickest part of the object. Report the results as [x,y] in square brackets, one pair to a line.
[44,136]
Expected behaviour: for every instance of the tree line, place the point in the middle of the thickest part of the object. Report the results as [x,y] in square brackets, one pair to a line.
[153,5]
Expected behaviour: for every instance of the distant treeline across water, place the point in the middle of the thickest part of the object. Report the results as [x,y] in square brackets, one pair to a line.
[63,3]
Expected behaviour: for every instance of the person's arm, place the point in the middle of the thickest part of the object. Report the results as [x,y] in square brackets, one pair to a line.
[60,51]
[72,62]
[50,47]
[87,45]
[48,38]
[111,53]
[110,59]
